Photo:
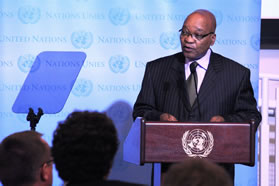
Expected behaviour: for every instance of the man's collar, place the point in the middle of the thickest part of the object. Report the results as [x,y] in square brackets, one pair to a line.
[204,61]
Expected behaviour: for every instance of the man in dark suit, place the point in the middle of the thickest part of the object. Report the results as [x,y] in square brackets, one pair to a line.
[224,89]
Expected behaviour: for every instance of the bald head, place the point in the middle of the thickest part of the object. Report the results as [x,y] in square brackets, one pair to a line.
[208,17]
[196,171]
[25,159]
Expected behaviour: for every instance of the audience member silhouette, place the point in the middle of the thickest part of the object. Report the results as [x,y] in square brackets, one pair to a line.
[84,146]
[196,172]
[25,160]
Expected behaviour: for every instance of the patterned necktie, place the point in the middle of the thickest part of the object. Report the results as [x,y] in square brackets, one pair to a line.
[191,87]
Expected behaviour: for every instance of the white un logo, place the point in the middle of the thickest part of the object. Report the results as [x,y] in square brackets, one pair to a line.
[82,88]
[29,15]
[169,40]
[82,39]
[25,63]
[119,16]
[119,64]
[255,42]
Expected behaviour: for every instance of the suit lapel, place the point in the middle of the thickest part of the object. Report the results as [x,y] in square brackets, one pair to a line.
[210,79]
[178,79]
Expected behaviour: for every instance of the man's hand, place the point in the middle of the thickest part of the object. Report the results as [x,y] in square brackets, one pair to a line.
[217,119]
[167,117]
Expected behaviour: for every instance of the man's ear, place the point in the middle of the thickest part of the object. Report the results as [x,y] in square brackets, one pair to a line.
[44,172]
[213,39]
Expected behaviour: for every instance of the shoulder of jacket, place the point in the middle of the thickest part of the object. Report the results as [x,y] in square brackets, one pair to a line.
[166,59]
[229,62]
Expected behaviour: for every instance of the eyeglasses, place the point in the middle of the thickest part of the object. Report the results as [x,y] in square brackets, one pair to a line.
[194,36]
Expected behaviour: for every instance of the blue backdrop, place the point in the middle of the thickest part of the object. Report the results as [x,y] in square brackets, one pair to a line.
[118,37]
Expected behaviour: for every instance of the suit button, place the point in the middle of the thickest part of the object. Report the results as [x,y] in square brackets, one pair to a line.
[191,116]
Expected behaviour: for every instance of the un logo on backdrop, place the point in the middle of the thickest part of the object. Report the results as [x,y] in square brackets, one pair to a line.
[82,88]
[25,63]
[169,40]
[219,16]
[119,64]
[82,39]
[119,16]
[29,15]
[255,42]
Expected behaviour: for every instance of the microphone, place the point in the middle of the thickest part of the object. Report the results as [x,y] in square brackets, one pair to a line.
[193,67]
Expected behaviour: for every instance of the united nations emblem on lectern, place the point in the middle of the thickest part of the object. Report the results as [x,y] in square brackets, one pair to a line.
[197,143]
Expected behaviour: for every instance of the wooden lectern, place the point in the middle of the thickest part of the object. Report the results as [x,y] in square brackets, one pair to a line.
[170,142]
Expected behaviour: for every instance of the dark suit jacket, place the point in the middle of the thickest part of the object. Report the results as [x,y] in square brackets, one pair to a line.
[226,90]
